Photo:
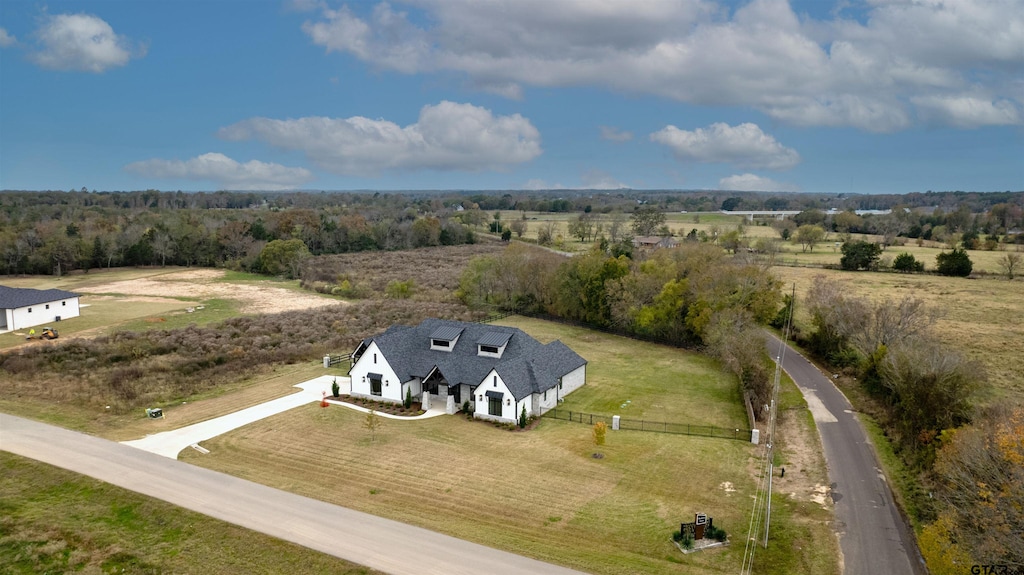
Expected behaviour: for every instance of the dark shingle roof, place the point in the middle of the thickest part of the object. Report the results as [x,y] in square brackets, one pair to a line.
[526,366]
[20,297]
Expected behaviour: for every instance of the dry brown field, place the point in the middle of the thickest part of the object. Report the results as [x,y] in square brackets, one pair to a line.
[982,318]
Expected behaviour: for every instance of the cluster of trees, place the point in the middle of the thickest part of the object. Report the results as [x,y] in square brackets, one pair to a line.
[960,225]
[980,484]
[44,238]
[693,295]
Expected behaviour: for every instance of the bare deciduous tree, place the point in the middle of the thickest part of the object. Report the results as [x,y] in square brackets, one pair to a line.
[1009,264]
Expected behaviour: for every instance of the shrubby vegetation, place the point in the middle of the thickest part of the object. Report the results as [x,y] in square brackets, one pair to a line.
[954,263]
[860,256]
[133,369]
[694,295]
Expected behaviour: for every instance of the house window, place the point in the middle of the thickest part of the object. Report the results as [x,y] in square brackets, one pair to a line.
[63,303]
[494,406]
[374,386]
[495,381]
[489,349]
[374,358]
[29,310]
[559,383]
[47,306]
[440,343]
[545,395]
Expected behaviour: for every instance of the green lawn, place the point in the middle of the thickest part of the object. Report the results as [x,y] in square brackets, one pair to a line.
[667,384]
[55,521]
[540,492]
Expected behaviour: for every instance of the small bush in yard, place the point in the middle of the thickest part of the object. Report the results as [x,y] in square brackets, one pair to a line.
[335,390]
[408,397]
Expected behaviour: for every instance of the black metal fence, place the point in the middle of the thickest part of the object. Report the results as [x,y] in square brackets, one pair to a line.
[739,433]
[334,359]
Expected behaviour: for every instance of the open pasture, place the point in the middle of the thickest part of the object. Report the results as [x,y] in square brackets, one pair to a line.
[979,317]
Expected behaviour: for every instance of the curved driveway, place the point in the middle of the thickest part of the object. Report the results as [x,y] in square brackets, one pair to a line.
[368,540]
[873,536]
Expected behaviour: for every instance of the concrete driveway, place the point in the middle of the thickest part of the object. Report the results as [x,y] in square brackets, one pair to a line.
[170,443]
[378,543]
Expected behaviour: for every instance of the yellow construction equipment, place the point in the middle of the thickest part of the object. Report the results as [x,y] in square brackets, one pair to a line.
[47,333]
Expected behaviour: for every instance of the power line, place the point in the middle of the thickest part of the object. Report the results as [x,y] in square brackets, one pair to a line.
[763,495]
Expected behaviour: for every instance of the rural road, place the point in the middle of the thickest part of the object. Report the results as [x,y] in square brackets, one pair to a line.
[873,536]
[368,540]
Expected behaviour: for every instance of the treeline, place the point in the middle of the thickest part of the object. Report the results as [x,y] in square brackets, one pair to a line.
[966,483]
[54,239]
[694,295]
[975,230]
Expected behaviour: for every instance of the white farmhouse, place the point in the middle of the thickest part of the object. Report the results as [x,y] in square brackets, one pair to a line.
[22,308]
[500,371]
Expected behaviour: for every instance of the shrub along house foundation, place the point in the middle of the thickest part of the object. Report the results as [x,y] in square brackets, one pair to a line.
[499,371]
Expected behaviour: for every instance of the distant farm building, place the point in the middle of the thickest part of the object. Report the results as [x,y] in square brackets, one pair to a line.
[22,308]
[653,242]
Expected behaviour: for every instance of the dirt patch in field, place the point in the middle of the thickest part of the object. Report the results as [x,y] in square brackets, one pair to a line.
[260,297]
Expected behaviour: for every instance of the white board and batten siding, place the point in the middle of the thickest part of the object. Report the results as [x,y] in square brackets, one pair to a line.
[372,361]
[573,380]
[42,313]
[494,383]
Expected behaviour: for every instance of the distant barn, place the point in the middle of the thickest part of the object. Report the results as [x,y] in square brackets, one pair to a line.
[22,308]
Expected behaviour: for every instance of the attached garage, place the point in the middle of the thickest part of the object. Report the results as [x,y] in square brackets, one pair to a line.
[22,308]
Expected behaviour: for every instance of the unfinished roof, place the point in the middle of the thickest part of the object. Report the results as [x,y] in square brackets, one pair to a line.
[22,297]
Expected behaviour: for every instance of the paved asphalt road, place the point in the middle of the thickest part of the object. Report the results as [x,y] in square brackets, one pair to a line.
[379,543]
[874,537]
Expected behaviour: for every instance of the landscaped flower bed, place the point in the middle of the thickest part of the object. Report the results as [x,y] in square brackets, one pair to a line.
[413,410]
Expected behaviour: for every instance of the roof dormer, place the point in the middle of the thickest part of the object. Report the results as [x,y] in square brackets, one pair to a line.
[492,344]
[444,338]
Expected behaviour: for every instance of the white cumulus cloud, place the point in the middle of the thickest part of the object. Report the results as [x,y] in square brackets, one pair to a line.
[7,39]
[754,183]
[226,172]
[967,111]
[81,42]
[447,136]
[864,72]
[745,146]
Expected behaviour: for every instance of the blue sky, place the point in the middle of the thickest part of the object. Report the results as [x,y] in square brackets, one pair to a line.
[882,96]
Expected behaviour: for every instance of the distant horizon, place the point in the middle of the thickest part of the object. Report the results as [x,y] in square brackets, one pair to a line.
[592,191]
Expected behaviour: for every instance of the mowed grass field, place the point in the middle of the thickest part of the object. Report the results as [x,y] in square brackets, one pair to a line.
[982,318]
[540,492]
[54,521]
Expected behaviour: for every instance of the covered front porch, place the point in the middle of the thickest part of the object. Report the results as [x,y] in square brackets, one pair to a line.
[438,391]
